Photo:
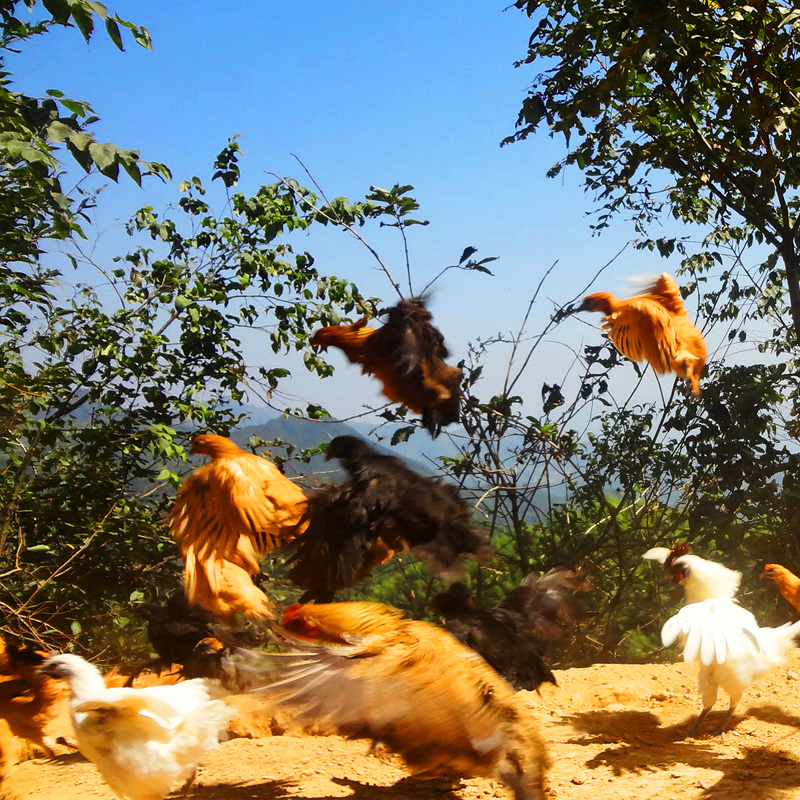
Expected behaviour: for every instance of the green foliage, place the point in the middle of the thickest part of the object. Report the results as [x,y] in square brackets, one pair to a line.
[706,95]
[35,131]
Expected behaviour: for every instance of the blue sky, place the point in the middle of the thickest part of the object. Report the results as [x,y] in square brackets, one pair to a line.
[364,93]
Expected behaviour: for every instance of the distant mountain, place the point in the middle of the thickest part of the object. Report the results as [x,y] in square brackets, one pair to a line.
[304,434]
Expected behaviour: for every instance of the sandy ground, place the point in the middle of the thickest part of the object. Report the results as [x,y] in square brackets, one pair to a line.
[615,731]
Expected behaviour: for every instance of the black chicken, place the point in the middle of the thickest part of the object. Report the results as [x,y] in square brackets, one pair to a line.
[384,507]
[514,636]
[185,634]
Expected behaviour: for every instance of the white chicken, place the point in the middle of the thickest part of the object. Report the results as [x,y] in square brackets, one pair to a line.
[143,740]
[714,630]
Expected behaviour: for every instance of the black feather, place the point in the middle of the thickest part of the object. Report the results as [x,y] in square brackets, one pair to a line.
[498,635]
[384,504]
[514,636]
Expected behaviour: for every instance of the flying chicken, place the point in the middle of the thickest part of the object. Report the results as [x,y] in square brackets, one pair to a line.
[407,356]
[229,514]
[654,327]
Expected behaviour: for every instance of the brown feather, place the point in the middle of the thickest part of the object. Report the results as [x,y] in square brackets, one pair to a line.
[788,582]
[413,687]
[29,701]
[228,515]
[654,327]
[407,356]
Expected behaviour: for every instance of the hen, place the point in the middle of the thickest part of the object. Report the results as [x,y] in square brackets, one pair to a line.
[228,515]
[514,635]
[788,582]
[186,635]
[28,700]
[363,671]
[384,507]
[713,630]
[654,327]
[144,740]
[407,356]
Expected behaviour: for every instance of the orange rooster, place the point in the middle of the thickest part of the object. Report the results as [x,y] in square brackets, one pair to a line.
[654,327]
[29,701]
[788,582]
[362,670]
[406,355]
[228,515]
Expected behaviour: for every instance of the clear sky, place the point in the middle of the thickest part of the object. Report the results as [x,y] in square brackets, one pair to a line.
[386,92]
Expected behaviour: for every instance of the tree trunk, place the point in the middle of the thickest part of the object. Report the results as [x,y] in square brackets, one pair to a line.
[791,260]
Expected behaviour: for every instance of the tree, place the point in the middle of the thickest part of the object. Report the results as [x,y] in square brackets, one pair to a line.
[703,95]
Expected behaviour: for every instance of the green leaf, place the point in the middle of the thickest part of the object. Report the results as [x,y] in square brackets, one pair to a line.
[84,19]
[104,155]
[114,33]
[59,10]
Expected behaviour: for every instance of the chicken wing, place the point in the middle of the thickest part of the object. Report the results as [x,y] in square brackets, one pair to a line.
[384,507]
[144,740]
[228,515]
[715,631]
[654,327]
[362,671]
[407,356]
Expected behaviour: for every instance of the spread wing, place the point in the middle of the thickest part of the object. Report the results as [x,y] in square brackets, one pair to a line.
[666,292]
[239,508]
[130,713]
[548,601]
[418,690]
[340,546]
[712,631]
[228,515]
[642,331]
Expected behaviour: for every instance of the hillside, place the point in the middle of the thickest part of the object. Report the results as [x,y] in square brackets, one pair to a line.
[419,452]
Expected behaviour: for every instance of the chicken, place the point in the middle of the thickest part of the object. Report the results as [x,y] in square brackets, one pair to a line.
[228,515]
[654,327]
[407,356]
[29,701]
[514,635]
[187,635]
[715,631]
[143,740]
[384,507]
[362,671]
[788,582]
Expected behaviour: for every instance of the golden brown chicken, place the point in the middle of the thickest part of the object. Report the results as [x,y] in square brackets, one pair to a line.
[362,671]
[654,327]
[29,701]
[788,582]
[407,356]
[229,514]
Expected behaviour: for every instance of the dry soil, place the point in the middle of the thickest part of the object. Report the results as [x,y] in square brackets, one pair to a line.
[616,732]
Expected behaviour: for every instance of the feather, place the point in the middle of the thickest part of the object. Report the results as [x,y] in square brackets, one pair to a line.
[788,582]
[29,701]
[409,685]
[407,356]
[228,515]
[143,741]
[514,636]
[654,327]
[716,632]
[382,508]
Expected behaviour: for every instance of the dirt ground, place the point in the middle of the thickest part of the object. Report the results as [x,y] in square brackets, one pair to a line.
[615,732]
